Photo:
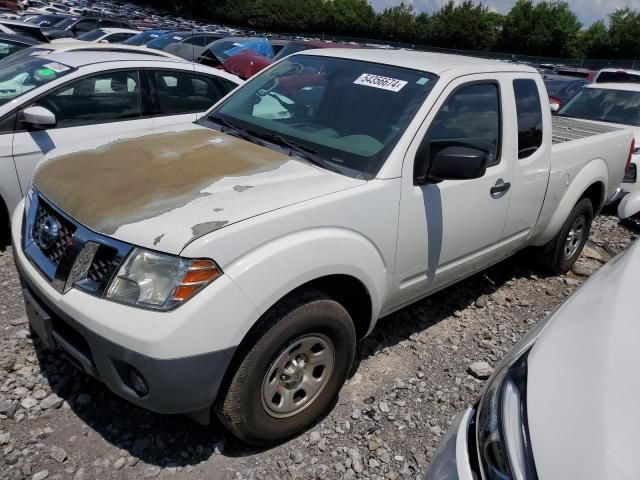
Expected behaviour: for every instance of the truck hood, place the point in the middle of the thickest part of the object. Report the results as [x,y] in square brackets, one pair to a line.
[583,384]
[165,190]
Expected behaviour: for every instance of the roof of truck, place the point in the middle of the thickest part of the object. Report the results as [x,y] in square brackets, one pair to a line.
[425,61]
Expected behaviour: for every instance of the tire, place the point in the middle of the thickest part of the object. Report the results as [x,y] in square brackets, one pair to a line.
[263,404]
[560,253]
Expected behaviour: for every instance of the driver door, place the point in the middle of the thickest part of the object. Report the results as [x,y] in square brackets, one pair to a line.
[453,228]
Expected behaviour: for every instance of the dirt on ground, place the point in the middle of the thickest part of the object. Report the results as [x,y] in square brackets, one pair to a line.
[412,376]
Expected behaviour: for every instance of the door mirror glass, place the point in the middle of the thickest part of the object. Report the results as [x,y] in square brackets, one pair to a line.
[457,163]
[39,117]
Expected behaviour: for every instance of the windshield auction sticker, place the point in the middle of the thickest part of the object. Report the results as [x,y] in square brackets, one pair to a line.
[378,81]
[56,67]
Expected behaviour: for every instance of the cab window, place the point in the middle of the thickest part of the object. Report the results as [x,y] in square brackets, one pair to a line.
[471,118]
[529,110]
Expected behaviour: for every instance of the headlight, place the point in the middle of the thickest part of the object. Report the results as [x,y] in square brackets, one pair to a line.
[502,427]
[154,280]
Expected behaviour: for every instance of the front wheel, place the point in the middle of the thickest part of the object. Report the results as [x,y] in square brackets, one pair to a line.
[563,250]
[292,371]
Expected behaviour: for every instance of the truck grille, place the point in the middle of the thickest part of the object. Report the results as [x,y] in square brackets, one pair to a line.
[103,265]
[56,250]
[67,253]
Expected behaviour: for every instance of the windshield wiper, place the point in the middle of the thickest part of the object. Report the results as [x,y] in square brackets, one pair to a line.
[308,153]
[232,128]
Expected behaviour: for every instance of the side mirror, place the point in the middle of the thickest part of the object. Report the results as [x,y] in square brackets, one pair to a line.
[39,118]
[104,41]
[555,107]
[450,163]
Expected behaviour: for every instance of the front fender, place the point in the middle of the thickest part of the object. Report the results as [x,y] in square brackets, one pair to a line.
[278,267]
[594,172]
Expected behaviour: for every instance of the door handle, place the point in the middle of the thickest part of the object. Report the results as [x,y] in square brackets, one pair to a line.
[500,188]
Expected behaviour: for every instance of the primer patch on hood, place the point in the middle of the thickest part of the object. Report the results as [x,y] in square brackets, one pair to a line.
[131,180]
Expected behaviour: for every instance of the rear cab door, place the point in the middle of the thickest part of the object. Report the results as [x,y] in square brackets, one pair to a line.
[532,155]
[451,229]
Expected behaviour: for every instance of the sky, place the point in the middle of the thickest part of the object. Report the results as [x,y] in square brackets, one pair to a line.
[587,10]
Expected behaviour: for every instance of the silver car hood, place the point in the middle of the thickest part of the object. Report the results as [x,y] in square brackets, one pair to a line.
[583,387]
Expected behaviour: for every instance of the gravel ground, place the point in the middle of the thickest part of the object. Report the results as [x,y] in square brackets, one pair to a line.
[413,374]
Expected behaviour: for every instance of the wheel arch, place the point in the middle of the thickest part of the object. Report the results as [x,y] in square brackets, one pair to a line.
[591,182]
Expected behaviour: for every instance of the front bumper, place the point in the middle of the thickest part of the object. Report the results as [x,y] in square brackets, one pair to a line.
[172,386]
[451,461]
[182,356]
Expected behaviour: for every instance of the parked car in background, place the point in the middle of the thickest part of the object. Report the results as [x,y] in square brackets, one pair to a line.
[561,404]
[221,50]
[616,75]
[103,35]
[142,38]
[616,104]
[54,100]
[561,89]
[188,37]
[247,63]
[11,43]
[71,46]
[575,72]
[23,28]
[261,210]
[48,20]
[74,26]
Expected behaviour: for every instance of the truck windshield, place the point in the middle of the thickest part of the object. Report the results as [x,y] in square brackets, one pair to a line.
[345,114]
[604,105]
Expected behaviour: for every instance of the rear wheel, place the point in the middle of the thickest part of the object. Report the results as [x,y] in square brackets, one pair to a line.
[291,372]
[563,250]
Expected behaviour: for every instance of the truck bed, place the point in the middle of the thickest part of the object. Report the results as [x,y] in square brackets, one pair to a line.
[567,129]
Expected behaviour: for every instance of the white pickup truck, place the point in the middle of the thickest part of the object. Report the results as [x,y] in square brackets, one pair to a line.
[234,263]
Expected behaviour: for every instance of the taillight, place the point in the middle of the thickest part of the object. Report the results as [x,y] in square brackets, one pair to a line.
[631,150]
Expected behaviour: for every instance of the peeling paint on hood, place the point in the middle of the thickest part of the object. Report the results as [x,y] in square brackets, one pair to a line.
[164,190]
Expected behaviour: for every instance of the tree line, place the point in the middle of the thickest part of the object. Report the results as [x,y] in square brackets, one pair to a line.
[547,28]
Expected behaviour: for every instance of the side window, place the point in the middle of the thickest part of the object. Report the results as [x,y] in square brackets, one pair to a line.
[198,40]
[183,92]
[104,98]
[84,26]
[118,37]
[7,48]
[529,112]
[227,85]
[471,118]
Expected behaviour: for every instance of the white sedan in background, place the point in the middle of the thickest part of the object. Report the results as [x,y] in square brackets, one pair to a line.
[616,104]
[61,99]
[563,404]
[102,35]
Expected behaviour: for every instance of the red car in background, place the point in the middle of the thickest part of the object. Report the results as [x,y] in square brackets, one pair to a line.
[247,63]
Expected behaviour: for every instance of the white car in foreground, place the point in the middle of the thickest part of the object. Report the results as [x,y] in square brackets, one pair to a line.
[62,99]
[563,404]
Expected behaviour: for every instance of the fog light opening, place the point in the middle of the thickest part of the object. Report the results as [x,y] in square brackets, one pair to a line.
[138,383]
